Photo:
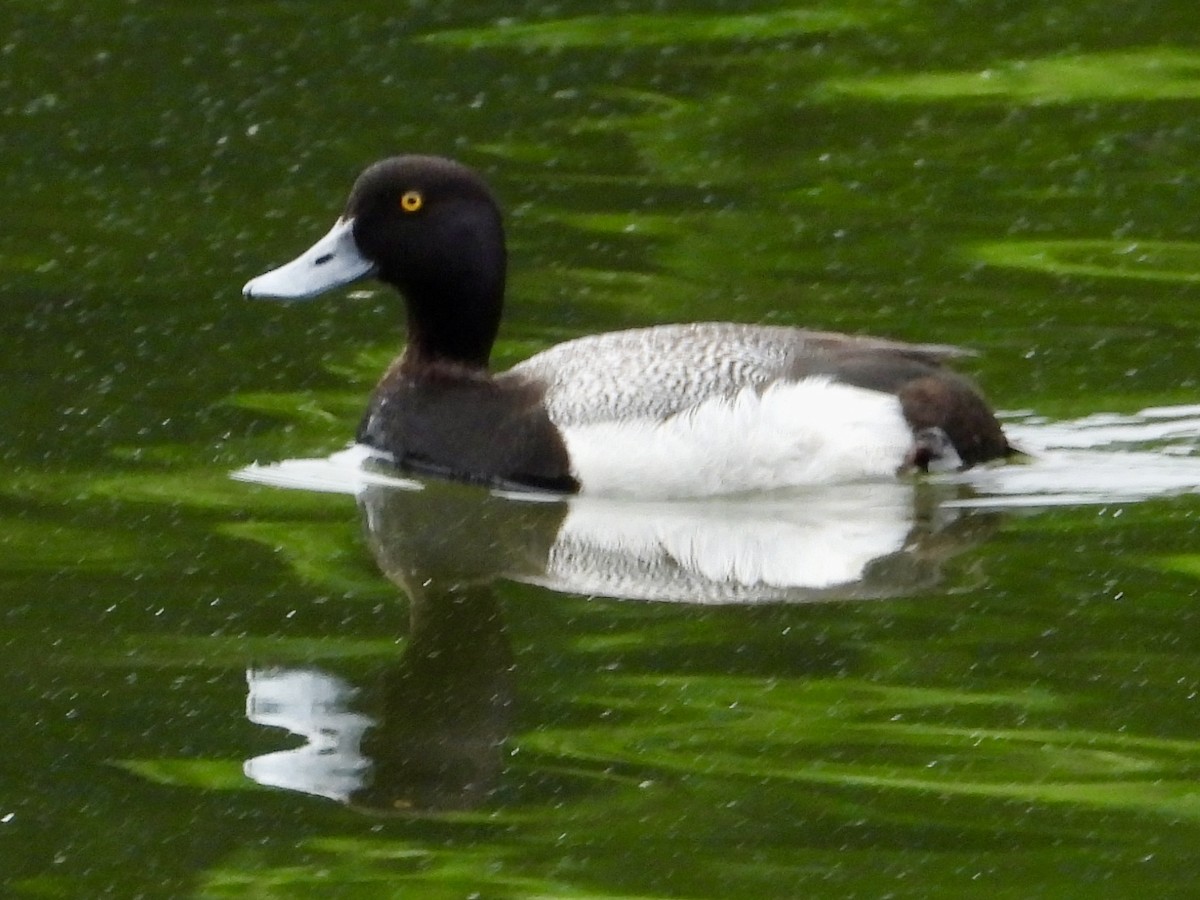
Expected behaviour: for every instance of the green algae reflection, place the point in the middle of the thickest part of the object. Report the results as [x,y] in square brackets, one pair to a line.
[1159,73]
[648,29]
[1175,261]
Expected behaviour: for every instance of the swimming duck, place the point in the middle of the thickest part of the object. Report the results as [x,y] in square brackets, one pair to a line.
[670,410]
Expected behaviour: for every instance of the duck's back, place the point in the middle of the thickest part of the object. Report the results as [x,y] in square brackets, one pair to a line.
[654,373]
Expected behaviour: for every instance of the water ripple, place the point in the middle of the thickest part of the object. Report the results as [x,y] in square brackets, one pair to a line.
[1099,458]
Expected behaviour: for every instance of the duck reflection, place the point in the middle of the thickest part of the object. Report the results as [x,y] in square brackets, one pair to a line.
[425,733]
[428,732]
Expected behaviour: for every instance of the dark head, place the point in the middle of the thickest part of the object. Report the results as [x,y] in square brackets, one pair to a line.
[431,228]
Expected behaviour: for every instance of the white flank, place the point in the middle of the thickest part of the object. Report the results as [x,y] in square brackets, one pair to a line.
[810,432]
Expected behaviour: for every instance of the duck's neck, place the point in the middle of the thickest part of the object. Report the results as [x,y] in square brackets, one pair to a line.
[430,348]
[453,320]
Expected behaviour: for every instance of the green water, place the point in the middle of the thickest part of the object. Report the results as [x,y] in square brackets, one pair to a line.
[1019,715]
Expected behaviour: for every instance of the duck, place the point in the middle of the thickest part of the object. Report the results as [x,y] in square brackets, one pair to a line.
[664,411]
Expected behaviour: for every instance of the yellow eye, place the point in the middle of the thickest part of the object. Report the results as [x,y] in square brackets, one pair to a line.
[411,201]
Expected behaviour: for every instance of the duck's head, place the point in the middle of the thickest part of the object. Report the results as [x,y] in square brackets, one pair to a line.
[431,228]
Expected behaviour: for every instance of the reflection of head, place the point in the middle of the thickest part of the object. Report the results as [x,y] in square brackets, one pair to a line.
[446,708]
[426,734]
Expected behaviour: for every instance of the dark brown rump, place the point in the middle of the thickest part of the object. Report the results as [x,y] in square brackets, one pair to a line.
[951,403]
[931,396]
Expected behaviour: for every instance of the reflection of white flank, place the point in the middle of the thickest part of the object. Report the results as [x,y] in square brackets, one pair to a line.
[727,550]
[313,705]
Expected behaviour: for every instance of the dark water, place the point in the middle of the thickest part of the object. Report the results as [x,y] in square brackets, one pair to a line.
[1002,701]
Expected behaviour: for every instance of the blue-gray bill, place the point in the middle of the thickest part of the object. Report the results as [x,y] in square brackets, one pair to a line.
[331,262]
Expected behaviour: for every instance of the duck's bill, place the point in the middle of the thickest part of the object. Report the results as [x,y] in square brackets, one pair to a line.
[331,262]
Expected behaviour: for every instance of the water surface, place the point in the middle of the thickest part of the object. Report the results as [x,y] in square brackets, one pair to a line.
[975,685]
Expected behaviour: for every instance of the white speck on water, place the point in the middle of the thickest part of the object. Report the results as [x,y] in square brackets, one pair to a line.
[41,104]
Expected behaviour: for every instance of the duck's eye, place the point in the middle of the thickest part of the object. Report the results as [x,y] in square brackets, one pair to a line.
[411,201]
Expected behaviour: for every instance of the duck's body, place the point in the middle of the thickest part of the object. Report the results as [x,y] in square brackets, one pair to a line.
[673,410]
